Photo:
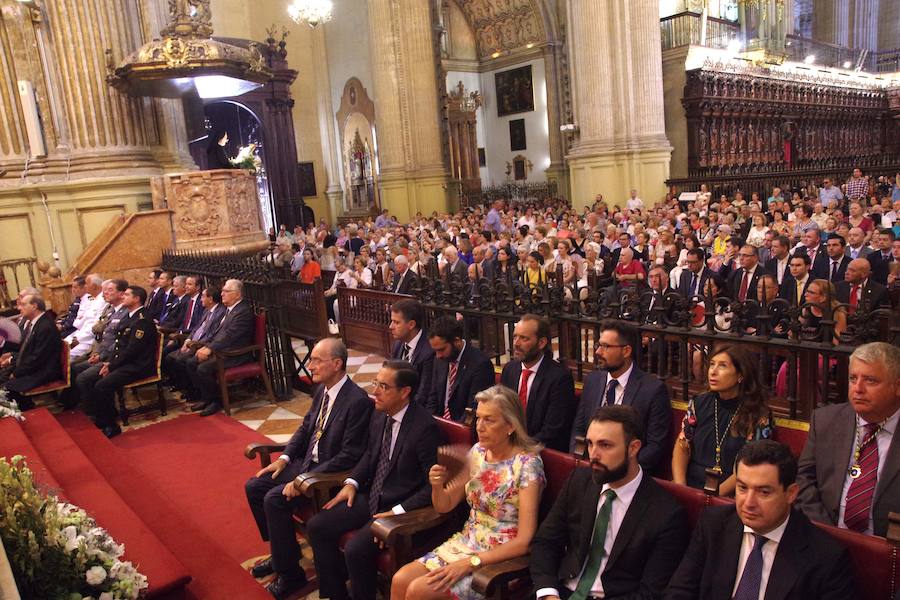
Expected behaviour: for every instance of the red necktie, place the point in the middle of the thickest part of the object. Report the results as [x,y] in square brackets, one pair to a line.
[451,382]
[862,490]
[187,316]
[854,298]
[745,283]
[812,254]
[523,387]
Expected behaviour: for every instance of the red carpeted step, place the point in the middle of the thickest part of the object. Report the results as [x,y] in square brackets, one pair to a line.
[89,489]
[178,514]
[13,441]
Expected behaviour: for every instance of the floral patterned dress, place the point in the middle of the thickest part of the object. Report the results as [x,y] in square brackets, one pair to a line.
[493,495]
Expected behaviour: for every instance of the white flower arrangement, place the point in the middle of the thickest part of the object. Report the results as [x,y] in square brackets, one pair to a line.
[246,159]
[56,549]
[9,408]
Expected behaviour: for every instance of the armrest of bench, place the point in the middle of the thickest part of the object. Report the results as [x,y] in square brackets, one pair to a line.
[264,451]
[488,577]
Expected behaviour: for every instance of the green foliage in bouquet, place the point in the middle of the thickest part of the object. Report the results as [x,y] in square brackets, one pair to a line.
[56,551]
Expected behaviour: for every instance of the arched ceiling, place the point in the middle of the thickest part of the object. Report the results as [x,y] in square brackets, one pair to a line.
[504,25]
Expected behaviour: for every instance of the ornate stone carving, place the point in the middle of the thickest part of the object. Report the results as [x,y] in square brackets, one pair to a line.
[198,208]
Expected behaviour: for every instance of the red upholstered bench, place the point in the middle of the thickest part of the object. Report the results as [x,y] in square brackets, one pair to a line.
[249,370]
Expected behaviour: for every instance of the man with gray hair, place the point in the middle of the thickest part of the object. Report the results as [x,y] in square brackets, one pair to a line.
[92,304]
[173,312]
[235,331]
[332,438]
[456,266]
[849,470]
[404,279]
[37,360]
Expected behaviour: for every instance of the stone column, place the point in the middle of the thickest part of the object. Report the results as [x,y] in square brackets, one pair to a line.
[413,175]
[327,131]
[616,74]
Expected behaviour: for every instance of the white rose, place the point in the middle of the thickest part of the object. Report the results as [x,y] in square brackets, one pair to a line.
[95,575]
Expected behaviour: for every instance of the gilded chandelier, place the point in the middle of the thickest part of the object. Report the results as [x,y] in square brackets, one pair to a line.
[312,12]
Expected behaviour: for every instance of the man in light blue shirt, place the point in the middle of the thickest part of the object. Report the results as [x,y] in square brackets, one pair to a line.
[829,195]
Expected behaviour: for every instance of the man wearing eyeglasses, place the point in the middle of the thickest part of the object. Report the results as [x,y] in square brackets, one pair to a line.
[391,478]
[619,381]
[742,282]
[830,195]
[332,438]
[694,277]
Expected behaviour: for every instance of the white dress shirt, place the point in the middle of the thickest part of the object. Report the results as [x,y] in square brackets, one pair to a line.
[395,431]
[534,369]
[883,439]
[768,555]
[624,496]
[412,345]
[620,388]
[781,267]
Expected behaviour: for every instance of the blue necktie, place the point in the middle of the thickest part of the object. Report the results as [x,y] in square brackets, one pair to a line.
[611,393]
[751,577]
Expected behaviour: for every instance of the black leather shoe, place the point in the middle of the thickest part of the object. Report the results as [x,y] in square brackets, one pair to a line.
[211,409]
[262,569]
[197,407]
[285,588]
[111,431]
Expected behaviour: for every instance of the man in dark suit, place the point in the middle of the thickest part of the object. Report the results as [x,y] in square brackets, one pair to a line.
[845,479]
[193,309]
[37,360]
[176,303]
[484,268]
[742,281]
[156,295]
[175,362]
[407,317]
[133,358]
[793,287]
[694,277]
[835,248]
[761,547]
[65,322]
[457,267]
[460,370]
[858,290]
[546,388]
[620,382]
[818,257]
[613,532]
[163,297]
[236,330]
[778,263]
[882,258]
[404,279]
[332,438]
[390,478]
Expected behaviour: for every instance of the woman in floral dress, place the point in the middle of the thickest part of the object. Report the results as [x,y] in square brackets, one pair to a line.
[506,477]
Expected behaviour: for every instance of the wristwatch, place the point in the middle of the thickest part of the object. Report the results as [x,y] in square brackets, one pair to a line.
[475,561]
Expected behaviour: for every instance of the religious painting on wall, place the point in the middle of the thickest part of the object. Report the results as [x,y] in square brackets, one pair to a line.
[482,158]
[515,91]
[306,176]
[517,135]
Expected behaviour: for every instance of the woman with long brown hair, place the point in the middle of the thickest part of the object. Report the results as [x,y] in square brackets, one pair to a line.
[720,421]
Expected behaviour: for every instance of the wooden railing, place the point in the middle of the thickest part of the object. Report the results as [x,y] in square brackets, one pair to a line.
[15,274]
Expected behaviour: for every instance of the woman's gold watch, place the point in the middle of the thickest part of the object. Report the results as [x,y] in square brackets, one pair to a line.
[475,561]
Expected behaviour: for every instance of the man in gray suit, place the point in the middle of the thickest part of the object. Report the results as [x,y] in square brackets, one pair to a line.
[850,468]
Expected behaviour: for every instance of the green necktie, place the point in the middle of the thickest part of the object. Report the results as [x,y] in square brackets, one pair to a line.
[597,551]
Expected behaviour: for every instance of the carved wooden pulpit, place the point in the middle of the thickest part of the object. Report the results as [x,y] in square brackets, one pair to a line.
[215,209]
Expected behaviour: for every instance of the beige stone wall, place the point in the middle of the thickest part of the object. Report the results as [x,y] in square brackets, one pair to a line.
[674,78]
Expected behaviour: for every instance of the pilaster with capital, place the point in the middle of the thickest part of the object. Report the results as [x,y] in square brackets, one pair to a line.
[413,173]
[616,80]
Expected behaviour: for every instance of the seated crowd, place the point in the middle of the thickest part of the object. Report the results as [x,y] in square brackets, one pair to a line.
[849,236]
[613,531]
[116,334]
